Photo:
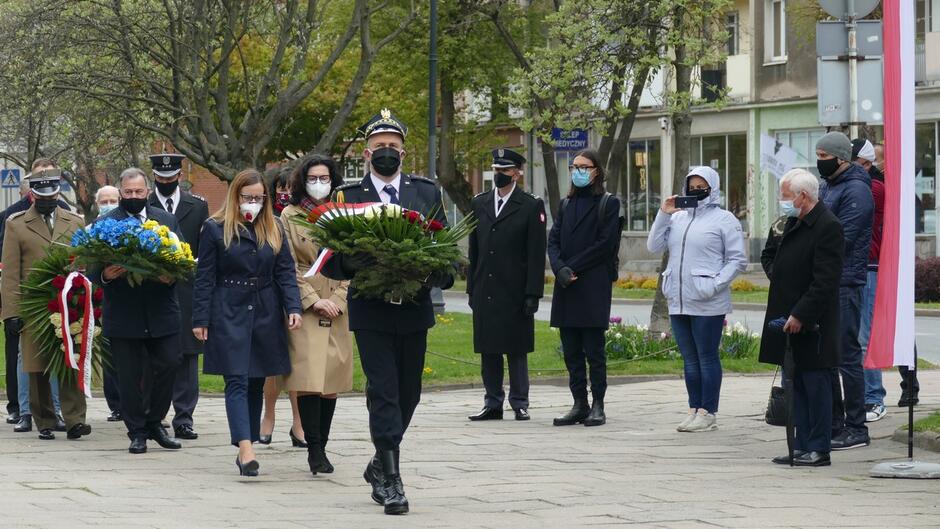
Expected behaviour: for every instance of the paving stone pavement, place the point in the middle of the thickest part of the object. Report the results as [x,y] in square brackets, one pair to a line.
[635,471]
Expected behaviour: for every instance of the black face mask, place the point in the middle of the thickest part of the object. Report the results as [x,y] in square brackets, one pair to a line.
[699,194]
[167,188]
[876,173]
[46,206]
[828,167]
[133,205]
[502,179]
[386,161]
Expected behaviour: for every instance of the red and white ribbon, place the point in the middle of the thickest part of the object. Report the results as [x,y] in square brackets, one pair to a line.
[81,361]
[341,210]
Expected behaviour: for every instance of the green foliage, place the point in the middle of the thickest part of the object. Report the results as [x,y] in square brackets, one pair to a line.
[636,342]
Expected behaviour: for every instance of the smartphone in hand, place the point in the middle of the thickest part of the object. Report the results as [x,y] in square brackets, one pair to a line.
[686,202]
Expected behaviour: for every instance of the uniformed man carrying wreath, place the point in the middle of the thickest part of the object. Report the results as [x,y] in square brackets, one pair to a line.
[392,337]
[505,280]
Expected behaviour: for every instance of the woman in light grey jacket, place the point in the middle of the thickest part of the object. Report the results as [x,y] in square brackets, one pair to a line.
[706,252]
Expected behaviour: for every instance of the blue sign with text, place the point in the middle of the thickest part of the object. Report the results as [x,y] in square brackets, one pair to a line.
[569,140]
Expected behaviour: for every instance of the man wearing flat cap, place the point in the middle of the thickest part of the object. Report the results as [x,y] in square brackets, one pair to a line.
[191,211]
[846,191]
[27,236]
[392,337]
[505,280]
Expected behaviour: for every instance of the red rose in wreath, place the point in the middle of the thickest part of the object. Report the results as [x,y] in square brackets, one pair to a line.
[97,313]
[97,296]
[54,305]
[73,315]
[434,225]
[413,216]
[58,282]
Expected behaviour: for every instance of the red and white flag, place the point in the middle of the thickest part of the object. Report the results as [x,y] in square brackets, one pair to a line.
[892,333]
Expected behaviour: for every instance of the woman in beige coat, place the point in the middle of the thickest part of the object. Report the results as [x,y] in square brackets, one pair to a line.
[321,351]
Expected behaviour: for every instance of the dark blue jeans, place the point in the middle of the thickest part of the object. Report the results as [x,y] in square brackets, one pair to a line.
[698,338]
[812,409]
[849,414]
[243,401]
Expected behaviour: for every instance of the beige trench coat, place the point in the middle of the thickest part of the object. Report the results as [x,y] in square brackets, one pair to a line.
[26,241]
[321,350]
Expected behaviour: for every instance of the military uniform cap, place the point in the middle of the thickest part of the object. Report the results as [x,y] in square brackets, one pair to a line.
[167,165]
[45,183]
[507,158]
[384,121]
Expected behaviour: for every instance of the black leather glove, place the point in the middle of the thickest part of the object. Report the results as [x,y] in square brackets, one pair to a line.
[357,261]
[439,279]
[14,325]
[565,276]
[531,305]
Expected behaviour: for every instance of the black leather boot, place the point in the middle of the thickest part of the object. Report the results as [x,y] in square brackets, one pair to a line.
[327,407]
[596,417]
[373,476]
[395,500]
[308,407]
[575,415]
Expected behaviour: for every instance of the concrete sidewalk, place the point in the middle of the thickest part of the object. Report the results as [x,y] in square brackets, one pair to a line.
[635,471]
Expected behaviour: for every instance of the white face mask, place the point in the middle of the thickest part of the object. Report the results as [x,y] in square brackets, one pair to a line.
[318,190]
[104,209]
[250,210]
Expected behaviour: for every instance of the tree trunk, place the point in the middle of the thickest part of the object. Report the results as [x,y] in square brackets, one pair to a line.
[618,150]
[551,177]
[454,183]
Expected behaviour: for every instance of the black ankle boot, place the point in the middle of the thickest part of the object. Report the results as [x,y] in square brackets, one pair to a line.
[327,407]
[596,417]
[576,414]
[395,500]
[373,476]
[308,407]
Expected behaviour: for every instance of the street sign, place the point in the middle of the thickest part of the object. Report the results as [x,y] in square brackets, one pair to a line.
[569,140]
[10,178]
[838,8]
[832,39]
[834,93]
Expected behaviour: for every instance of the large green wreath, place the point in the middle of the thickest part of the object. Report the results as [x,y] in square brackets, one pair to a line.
[39,295]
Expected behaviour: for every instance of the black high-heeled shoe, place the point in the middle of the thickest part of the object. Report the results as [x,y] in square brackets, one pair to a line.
[249,469]
[298,443]
[265,439]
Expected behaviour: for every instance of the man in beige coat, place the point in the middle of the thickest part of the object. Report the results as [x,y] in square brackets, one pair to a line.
[27,236]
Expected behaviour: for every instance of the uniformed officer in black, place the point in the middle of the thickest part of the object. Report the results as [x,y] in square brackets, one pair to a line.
[505,280]
[391,337]
[191,211]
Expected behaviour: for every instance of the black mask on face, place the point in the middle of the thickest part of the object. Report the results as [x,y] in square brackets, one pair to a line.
[167,188]
[46,206]
[828,167]
[502,179]
[133,205]
[700,194]
[386,161]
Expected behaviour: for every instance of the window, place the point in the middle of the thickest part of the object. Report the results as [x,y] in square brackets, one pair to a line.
[728,156]
[775,21]
[731,26]
[353,169]
[642,193]
[925,177]
[804,143]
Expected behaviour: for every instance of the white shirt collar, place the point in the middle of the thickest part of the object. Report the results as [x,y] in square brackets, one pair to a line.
[175,197]
[380,184]
[496,198]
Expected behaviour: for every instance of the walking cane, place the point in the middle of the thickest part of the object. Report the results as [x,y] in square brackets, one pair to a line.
[789,369]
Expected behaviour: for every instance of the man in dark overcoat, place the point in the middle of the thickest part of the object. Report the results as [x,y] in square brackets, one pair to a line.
[191,211]
[804,266]
[142,323]
[505,280]
[391,336]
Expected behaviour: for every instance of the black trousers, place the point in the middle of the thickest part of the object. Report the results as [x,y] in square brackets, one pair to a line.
[393,364]
[491,369]
[112,393]
[156,360]
[11,351]
[812,409]
[580,344]
[186,390]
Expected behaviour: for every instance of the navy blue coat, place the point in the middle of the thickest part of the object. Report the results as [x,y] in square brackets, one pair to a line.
[848,197]
[242,294]
[149,310]
[576,242]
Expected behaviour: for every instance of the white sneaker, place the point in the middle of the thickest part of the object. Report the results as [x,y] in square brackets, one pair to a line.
[685,423]
[875,412]
[703,422]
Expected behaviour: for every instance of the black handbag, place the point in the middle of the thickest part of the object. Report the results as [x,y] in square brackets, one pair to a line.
[776,414]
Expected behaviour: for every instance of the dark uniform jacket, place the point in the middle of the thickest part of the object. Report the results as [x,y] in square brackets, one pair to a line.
[507,265]
[576,241]
[190,213]
[150,310]
[804,266]
[242,294]
[415,193]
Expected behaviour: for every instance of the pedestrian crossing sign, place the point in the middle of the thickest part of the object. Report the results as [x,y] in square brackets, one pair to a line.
[10,178]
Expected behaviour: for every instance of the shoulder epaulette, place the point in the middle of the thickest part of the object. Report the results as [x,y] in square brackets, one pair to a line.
[198,197]
[348,186]
[416,178]
[533,195]
[70,212]
[480,194]
[17,214]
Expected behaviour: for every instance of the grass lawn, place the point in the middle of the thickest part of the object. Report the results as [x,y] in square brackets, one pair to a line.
[451,360]
[928,424]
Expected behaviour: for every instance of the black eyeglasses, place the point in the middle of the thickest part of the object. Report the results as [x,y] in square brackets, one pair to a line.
[252,198]
[580,167]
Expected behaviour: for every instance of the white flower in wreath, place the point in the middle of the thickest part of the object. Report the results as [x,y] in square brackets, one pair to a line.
[77,339]
[55,319]
[75,327]
[58,331]
[97,332]
[390,210]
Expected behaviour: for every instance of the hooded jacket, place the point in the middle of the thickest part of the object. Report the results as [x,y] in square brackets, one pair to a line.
[706,253]
[849,197]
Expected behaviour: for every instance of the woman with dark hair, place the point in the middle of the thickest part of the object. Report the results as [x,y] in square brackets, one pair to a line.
[582,248]
[321,352]
[280,190]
